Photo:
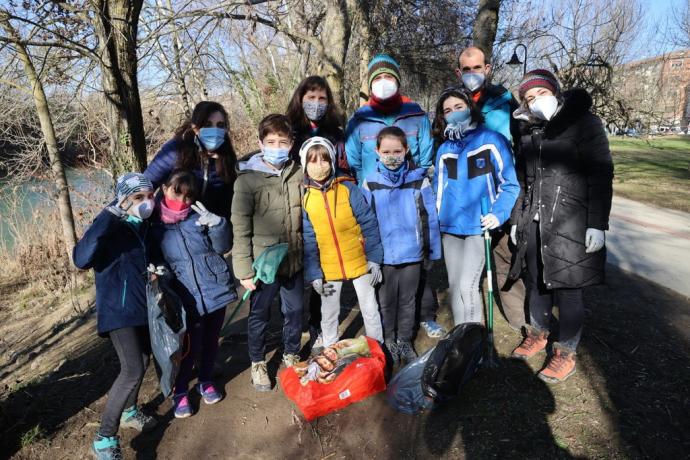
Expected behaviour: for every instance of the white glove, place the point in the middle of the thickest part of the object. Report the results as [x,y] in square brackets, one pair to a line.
[206,217]
[513,234]
[157,271]
[489,222]
[323,289]
[594,240]
[376,275]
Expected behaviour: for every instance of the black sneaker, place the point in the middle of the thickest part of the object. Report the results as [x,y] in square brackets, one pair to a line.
[393,350]
[406,352]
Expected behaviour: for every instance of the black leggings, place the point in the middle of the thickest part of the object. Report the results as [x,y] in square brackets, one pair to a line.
[571,306]
[133,348]
[397,300]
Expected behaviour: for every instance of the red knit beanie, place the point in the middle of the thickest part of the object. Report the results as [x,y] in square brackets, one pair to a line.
[539,78]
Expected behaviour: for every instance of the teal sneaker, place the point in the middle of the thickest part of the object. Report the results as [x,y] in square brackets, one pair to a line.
[106,447]
[133,417]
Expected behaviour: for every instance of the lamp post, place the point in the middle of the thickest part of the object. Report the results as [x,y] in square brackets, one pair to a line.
[515,60]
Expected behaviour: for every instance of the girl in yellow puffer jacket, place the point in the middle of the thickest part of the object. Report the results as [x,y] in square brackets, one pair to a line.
[341,240]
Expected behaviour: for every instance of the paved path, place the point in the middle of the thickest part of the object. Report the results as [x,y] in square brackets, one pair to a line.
[651,242]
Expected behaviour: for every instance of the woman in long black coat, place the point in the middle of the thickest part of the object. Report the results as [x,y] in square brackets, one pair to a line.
[565,171]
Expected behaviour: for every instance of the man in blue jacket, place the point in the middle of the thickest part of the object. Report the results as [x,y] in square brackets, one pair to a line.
[386,107]
[495,101]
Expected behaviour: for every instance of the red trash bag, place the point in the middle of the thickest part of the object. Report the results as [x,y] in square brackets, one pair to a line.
[359,380]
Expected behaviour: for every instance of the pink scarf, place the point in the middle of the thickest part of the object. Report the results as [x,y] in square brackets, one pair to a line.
[170,216]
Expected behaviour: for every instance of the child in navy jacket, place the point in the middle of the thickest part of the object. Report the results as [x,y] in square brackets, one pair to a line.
[117,247]
[402,198]
[192,241]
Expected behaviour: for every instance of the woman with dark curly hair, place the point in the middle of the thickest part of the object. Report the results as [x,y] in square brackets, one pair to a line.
[203,147]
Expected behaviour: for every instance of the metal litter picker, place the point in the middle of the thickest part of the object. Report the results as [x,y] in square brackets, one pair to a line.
[265,266]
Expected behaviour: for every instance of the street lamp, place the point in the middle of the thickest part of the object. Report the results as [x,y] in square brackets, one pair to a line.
[515,60]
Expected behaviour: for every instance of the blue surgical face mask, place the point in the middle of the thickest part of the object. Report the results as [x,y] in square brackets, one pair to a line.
[211,138]
[277,156]
[457,117]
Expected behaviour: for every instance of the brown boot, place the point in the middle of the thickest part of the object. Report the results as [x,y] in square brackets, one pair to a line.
[560,366]
[534,342]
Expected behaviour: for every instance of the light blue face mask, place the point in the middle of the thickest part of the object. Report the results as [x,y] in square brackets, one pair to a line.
[277,156]
[458,123]
[457,117]
[211,138]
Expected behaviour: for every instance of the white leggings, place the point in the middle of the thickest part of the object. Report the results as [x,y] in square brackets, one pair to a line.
[330,309]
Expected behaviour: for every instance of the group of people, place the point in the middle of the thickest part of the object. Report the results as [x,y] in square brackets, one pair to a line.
[363,205]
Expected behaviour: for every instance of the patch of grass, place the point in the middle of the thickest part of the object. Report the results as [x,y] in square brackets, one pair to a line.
[655,171]
[31,436]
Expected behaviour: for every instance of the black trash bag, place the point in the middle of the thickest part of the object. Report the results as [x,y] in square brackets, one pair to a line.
[439,374]
[167,327]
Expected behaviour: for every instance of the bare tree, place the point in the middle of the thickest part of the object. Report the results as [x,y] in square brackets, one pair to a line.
[485,26]
[48,130]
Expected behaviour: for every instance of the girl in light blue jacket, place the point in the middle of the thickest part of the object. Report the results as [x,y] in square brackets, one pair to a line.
[472,163]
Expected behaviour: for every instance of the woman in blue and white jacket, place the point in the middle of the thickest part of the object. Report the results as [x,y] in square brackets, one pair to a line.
[472,163]
[192,241]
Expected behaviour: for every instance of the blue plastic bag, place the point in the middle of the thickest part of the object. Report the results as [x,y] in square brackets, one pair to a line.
[167,327]
[440,373]
[405,392]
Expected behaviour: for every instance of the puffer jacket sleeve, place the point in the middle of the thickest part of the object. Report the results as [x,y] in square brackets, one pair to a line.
[353,149]
[594,151]
[443,148]
[85,252]
[429,201]
[426,144]
[520,174]
[162,164]
[367,222]
[242,225]
[508,186]
[220,236]
[312,257]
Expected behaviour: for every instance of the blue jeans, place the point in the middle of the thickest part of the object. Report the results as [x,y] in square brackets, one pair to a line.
[291,294]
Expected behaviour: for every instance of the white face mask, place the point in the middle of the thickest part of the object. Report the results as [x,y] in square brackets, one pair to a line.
[384,88]
[473,81]
[143,210]
[544,107]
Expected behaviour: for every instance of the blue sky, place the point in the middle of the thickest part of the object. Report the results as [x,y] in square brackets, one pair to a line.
[660,12]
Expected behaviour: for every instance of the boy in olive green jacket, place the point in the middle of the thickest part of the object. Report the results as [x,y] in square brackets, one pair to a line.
[267,210]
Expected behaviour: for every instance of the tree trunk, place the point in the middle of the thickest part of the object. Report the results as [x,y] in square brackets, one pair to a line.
[485,25]
[335,40]
[116,24]
[48,130]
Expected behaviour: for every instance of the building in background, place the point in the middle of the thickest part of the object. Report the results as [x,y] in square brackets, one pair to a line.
[657,92]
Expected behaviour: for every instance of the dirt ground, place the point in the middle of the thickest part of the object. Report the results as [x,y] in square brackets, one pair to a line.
[629,398]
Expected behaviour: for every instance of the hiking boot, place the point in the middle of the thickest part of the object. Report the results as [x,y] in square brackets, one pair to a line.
[208,392]
[133,417]
[433,329]
[260,378]
[183,408]
[560,366]
[392,347]
[290,359]
[534,342]
[406,352]
[106,448]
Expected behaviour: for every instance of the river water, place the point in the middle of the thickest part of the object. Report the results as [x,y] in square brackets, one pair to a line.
[22,203]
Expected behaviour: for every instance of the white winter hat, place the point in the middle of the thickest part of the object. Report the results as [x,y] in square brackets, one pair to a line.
[311,142]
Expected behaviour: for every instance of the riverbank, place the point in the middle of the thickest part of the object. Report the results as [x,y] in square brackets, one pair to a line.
[626,401]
